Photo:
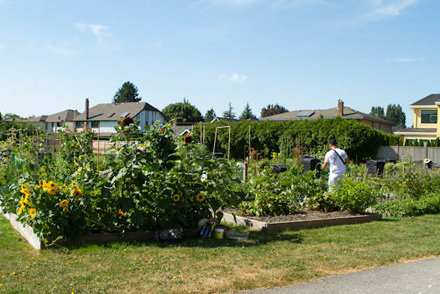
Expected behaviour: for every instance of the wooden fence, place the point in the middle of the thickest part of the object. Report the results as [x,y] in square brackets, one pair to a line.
[415,154]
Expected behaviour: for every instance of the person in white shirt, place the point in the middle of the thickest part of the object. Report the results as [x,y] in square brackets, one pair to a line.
[336,158]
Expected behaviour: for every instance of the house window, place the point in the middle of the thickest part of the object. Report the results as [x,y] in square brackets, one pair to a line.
[95,124]
[429,116]
[79,124]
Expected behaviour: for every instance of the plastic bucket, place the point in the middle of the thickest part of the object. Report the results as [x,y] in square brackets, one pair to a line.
[218,233]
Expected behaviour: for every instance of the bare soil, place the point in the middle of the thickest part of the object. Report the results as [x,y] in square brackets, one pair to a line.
[302,215]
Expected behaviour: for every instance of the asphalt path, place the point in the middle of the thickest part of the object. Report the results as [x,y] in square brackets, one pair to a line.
[419,277]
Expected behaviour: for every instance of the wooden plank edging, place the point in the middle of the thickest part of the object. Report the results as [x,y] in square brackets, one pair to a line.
[28,233]
[297,225]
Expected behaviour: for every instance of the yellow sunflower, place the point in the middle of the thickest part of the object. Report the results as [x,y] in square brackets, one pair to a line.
[74,183]
[65,209]
[76,192]
[44,185]
[200,197]
[64,203]
[52,191]
[32,212]
[176,197]
[51,185]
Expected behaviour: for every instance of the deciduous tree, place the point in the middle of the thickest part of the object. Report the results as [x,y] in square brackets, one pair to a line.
[183,112]
[272,110]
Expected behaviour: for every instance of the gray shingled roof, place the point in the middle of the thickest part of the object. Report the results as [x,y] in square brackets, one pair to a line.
[428,100]
[325,113]
[113,112]
[41,118]
[66,115]
[417,130]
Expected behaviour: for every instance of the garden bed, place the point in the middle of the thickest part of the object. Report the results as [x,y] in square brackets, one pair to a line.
[305,219]
[96,238]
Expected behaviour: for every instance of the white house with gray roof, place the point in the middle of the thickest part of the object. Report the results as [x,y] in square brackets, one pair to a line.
[103,118]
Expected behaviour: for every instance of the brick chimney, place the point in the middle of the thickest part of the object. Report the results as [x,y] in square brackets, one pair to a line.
[87,108]
[340,107]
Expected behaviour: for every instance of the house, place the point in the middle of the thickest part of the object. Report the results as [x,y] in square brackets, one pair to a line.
[426,125]
[340,111]
[50,124]
[103,118]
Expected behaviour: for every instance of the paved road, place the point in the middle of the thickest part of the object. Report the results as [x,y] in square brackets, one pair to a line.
[420,277]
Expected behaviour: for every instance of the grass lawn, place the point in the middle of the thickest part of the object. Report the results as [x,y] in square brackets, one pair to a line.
[213,266]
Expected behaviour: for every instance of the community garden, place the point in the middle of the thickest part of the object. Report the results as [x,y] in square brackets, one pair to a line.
[149,181]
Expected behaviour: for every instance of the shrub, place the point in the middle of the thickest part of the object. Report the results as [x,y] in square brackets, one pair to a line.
[428,204]
[278,194]
[354,195]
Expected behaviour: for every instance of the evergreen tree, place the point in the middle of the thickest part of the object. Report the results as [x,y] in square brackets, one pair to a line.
[395,114]
[378,112]
[421,143]
[229,114]
[247,113]
[183,112]
[210,115]
[127,93]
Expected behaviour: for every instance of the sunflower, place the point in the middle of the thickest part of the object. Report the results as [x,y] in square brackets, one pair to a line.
[176,197]
[32,212]
[52,191]
[74,183]
[76,192]
[200,197]
[187,139]
[65,209]
[25,191]
[51,185]
[20,210]
[44,185]
[64,203]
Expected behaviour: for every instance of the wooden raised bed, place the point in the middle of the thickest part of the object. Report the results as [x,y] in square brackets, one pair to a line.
[27,233]
[274,227]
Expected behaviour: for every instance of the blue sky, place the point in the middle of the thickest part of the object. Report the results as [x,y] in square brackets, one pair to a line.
[302,54]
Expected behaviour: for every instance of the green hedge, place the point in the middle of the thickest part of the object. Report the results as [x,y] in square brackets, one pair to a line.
[359,140]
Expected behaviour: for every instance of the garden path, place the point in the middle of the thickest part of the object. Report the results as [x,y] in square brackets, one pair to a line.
[420,277]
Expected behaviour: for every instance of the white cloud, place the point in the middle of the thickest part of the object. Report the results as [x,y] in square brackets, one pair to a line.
[387,8]
[236,2]
[296,3]
[274,3]
[62,51]
[405,59]
[233,78]
[97,29]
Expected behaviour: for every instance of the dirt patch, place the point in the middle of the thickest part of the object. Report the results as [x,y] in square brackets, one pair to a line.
[303,215]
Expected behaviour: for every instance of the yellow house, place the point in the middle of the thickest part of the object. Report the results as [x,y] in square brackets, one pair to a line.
[426,124]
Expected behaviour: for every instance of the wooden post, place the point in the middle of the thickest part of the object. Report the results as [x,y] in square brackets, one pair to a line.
[249,152]
[229,144]
[215,140]
[245,172]
[97,158]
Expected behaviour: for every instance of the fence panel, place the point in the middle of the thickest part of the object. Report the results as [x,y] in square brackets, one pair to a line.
[416,154]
